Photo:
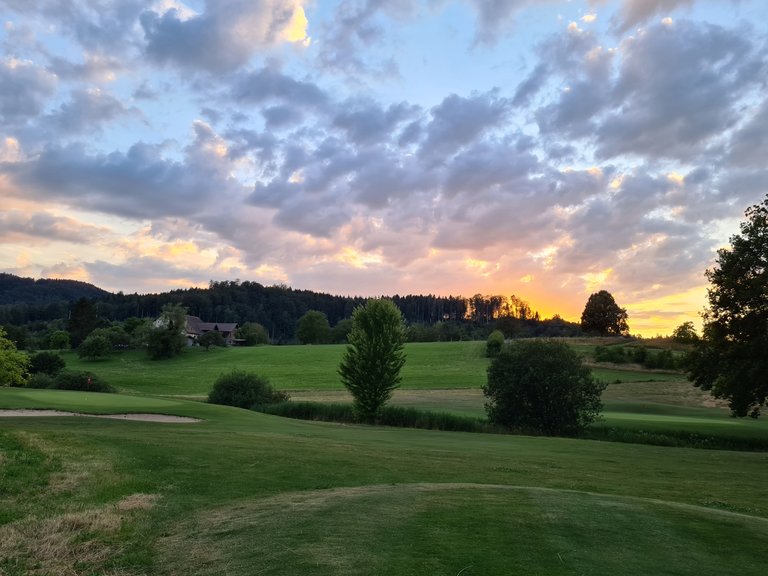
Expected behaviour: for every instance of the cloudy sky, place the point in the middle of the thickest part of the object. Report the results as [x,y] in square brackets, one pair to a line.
[530,147]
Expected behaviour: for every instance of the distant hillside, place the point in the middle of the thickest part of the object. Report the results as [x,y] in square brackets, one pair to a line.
[17,290]
[279,308]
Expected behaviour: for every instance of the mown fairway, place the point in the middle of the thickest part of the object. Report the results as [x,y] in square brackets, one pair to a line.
[433,365]
[245,493]
[439,376]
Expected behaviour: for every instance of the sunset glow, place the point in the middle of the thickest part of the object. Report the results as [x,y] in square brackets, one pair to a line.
[542,149]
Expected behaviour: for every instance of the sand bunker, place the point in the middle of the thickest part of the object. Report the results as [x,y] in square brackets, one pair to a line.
[139,417]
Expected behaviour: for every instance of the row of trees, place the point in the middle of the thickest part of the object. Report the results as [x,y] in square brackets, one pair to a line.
[277,308]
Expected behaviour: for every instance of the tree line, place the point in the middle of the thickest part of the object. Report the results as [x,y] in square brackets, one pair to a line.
[277,308]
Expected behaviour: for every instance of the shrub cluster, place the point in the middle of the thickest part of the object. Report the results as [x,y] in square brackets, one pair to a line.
[82,381]
[658,360]
[48,363]
[68,380]
[396,416]
[244,390]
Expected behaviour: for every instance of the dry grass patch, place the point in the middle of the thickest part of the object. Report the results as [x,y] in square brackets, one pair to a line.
[70,544]
[137,501]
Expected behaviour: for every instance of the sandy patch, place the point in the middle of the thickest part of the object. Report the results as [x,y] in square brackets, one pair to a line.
[138,417]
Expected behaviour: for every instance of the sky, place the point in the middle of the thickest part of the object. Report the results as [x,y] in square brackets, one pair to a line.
[530,147]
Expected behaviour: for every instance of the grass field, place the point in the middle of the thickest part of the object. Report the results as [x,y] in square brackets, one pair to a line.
[433,365]
[246,493]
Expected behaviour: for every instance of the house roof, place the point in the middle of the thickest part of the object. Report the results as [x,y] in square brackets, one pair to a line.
[197,326]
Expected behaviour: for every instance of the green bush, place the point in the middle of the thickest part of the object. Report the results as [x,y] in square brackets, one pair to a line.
[40,380]
[212,339]
[244,390]
[494,344]
[398,416]
[613,354]
[94,347]
[46,363]
[541,386]
[82,381]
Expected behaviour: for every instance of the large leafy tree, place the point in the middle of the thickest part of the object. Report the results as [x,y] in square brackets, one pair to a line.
[541,386]
[603,316]
[14,365]
[313,328]
[82,321]
[167,338]
[370,368]
[253,334]
[731,357]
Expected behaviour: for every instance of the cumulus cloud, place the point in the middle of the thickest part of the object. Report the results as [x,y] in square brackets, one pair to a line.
[140,183]
[458,121]
[25,88]
[95,68]
[635,12]
[85,112]
[678,89]
[269,84]
[614,159]
[98,25]
[365,122]
[43,226]
[356,30]
[222,38]
[749,146]
[496,16]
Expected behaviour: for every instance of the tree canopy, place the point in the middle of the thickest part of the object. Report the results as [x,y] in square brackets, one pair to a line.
[166,338]
[731,359]
[542,386]
[602,316]
[370,368]
[14,365]
[313,328]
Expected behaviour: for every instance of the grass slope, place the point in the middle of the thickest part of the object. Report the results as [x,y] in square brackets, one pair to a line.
[432,365]
[245,493]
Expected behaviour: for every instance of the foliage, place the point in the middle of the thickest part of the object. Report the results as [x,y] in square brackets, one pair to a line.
[59,340]
[82,381]
[244,390]
[166,338]
[14,365]
[730,359]
[46,363]
[653,360]
[278,308]
[341,330]
[211,338]
[19,335]
[39,380]
[370,367]
[82,321]
[541,386]
[603,316]
[494,344]
[685,333]
[398,416]
[116,335]
[94,347]
[252,334]
[313,328]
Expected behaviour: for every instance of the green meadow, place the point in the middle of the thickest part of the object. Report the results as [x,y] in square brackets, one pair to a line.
[247,493]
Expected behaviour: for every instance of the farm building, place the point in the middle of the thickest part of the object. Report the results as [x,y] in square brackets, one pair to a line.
[196,328]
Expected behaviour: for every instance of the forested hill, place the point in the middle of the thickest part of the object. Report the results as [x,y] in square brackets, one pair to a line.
[278,308]
[17,290]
